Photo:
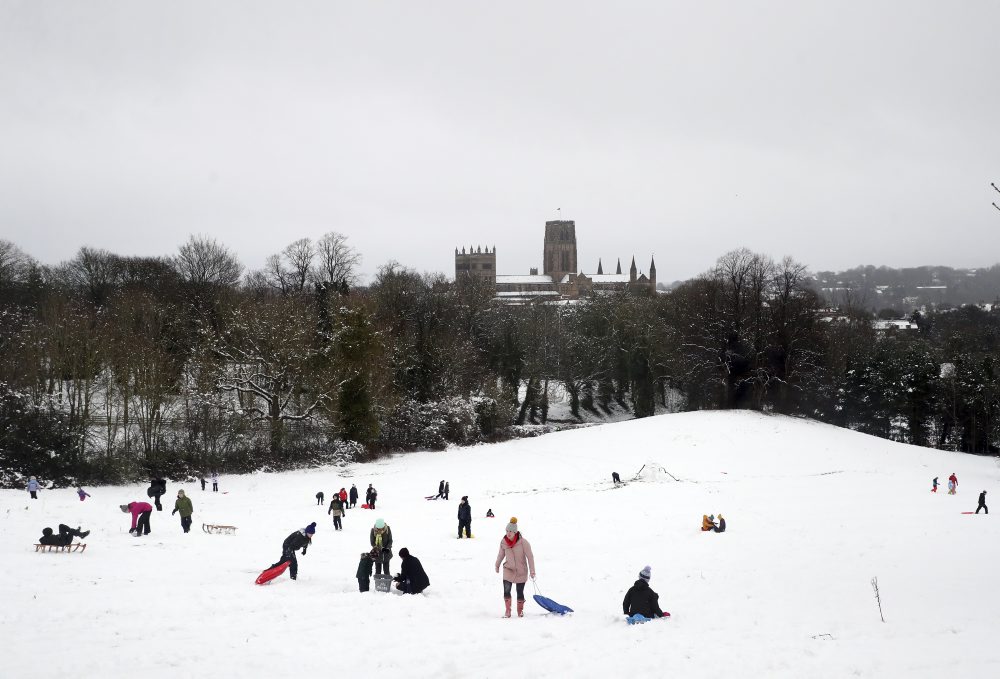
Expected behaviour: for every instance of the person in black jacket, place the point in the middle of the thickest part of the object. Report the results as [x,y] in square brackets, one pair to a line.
[641,599]
[411,579]
[157,488]
[440,490]
[353,495]
[464,517]
[65,537]
[300,539]
[982,503]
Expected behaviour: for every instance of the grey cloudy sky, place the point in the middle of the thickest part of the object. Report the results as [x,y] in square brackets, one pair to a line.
[840,133]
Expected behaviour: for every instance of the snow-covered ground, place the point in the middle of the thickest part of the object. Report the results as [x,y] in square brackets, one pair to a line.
[814,513]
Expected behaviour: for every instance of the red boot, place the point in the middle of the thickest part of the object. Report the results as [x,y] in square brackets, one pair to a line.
[506,605]
[520,608]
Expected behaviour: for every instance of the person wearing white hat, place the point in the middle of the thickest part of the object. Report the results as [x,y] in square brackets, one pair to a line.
[518,563]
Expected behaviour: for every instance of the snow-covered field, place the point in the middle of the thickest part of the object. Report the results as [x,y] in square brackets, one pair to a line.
[814,513]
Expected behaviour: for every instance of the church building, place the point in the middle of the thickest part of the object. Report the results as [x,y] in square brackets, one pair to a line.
[561,278]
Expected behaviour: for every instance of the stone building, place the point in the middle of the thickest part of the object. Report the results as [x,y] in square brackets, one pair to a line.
[561,279]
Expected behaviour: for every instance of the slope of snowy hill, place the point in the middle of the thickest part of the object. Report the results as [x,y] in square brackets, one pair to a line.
[814,513]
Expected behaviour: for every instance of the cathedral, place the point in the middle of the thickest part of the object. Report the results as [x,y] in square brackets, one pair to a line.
[561,278]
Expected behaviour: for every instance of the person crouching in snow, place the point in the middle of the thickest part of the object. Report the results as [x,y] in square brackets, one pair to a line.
[140,517]
[411,579]
[707,522]
[641,599]
[518,563]
[300,539]
[721,528]
[65,537]
[320,497]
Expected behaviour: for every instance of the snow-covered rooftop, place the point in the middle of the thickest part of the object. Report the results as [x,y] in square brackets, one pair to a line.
[524,280]
[610,278]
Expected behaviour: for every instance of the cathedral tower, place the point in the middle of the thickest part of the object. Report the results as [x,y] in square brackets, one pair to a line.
[559,255]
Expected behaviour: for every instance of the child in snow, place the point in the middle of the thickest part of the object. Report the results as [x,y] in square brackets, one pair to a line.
[65,537]
[203,482]
[215,482]
[447,489]
[982,503]
[82,493]
[707,522]
[518,564]
[33,487]
[721,528]
[934,485]
[381,541]
[489,513]
[300,539]
[411,579]
[141,512]
[464,517]
[320,497]
[337,510]
[641,599]
[184,505]
[343,500]
[365,570]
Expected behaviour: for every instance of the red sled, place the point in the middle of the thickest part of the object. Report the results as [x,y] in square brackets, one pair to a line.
[364,506]
[273,572]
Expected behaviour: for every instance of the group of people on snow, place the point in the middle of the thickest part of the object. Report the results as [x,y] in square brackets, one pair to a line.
[953,489]
[708,523]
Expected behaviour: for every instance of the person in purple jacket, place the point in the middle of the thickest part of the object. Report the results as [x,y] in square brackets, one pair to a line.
[140,517]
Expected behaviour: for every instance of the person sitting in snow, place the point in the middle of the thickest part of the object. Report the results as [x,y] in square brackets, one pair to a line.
[641,599]
[489,513]
[707,522]
[65,537]
[300,539]
[411,579]
[721,528]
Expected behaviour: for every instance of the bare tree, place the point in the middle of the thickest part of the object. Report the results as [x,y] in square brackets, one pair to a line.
[14,263]
[299,256]
[205,261]
[337,262]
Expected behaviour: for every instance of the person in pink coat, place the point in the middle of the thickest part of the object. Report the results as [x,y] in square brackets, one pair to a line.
[140,517]
[518,564]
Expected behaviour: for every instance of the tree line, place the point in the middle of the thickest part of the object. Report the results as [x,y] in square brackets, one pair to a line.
[112,367]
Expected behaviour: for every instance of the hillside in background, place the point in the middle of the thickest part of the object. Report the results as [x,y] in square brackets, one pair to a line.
[814,512]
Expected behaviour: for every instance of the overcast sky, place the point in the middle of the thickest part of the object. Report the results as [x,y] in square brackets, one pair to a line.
[840,133]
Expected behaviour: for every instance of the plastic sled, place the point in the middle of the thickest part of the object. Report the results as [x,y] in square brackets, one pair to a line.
[551,606]
[271,573]
[639,618]
[364,506]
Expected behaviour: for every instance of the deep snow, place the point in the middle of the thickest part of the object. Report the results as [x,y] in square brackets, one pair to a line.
[814,513]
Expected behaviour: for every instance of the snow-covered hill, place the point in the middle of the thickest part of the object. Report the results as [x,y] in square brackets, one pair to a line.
[814,513]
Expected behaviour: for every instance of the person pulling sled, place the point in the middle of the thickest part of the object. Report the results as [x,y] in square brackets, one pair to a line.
[300,539]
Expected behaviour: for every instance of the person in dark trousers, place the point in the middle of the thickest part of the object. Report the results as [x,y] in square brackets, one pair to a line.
[489,513]
[365,570]
[368,494]
[381,541]
[411,579]
[65,537]
[440,490]
[203,482]
[183,505]
[141,512]
[721,526]
[320,497]
[982,503]
[353,495]
[641,599]
[614,477]
[343,499]
[447,489]
[371,501]
[336,510]
[157,488]
[300,539]
[464,517]
[215,482]
[33,486]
